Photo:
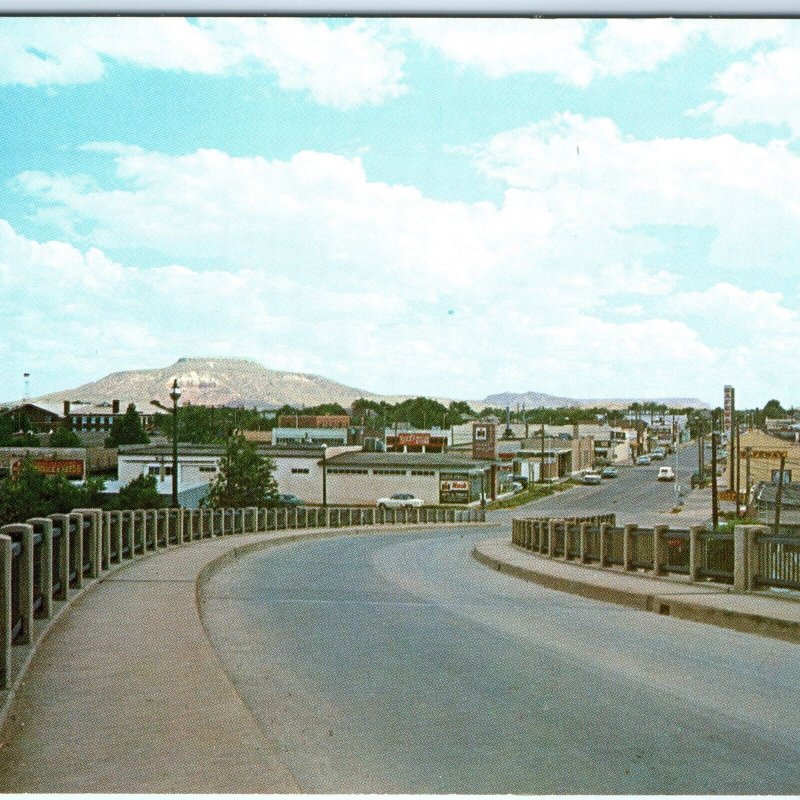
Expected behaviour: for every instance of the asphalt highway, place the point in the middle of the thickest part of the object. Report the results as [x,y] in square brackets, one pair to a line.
[396,663]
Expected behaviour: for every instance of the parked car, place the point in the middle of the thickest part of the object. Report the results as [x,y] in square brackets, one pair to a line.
[516,487]
[643,460]
[286,500]
[665,474]
[609,472]
[399,500]
[657,454]
[591,478]
[521,480]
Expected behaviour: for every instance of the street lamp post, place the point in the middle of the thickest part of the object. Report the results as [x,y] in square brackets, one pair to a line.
[175,395]
[324,475]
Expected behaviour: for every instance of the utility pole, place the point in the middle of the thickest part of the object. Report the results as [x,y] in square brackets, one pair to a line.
[714,506]
[541,466]
[738,466]
[778,496]
[747,451]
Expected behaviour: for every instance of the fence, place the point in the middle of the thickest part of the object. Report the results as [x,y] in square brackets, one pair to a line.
[750,558]
[45,559]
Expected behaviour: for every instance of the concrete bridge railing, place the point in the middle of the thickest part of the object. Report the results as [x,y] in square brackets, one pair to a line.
[45,560]
[750,558]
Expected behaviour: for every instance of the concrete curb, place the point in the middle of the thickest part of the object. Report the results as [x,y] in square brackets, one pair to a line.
[660,602]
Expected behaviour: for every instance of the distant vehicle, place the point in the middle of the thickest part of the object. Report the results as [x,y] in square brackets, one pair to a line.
[521,480]
[399,500]
[657,454]
[516,487]
[665,474]
[285,500]
[591,478]
[609,472]
[643,460]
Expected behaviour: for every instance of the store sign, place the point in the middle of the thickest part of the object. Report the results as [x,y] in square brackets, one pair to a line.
[778,454]
[413,439]
[68,467]
[454,489]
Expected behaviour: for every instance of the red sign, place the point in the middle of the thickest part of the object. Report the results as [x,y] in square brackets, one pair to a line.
[68,467]
[413,439]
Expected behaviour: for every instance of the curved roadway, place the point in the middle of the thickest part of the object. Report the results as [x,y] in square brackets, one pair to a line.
[386,664]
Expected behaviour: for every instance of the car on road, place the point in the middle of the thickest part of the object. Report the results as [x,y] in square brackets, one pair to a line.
[643,460]
[665,474]
[657,454]
[287,500]
[400,500]
[591,478]
[609,472]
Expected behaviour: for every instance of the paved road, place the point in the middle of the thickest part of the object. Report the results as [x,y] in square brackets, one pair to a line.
[635,496]
[379,664]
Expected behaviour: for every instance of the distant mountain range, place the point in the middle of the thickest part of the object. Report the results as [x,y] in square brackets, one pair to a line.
[242,382]
[539,400]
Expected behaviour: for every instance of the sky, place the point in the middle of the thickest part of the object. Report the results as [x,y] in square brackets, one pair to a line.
[451,207]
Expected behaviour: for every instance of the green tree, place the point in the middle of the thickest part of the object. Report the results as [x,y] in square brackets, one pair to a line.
[141,492]
[64,437]
[244,479]
[30,493]
[127,429]
[774,410]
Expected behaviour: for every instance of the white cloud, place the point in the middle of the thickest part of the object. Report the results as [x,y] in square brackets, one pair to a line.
[501,47]
[762,89]
[343,66]
[595,179]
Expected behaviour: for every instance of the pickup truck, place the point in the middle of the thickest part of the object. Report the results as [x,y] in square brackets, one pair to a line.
[400,500]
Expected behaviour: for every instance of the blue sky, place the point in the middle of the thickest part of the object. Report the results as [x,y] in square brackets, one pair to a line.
[450,207]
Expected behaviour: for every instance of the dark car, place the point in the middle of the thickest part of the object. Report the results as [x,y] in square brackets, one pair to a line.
[609,472]
[521,480]
[286,500]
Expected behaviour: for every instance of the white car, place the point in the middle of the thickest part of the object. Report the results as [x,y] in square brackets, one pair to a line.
[592,478]
[400,500]
[665,474]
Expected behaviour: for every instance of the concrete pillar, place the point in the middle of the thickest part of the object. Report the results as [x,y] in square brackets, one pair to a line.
[5,611]
[137,531]
[61,563]
[605,527]
[44,527]
[745,555]
[23,533]
[551,538]
[93,543]
[695,551]
[659,546]
[567,540]
[253,514]
[584,534]
[105,527]
[627,546]
[161,528]
[76,546]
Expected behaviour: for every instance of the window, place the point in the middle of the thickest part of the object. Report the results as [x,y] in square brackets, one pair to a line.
[422,472]
[299,471]
[787,475]
[157,469]
[346,471]
[481,434]
[207,469]
[388,472]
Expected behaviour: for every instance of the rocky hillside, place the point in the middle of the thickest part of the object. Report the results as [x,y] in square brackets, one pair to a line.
[214,382]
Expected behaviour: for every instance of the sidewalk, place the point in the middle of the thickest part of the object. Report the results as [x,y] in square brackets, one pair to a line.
[714,604]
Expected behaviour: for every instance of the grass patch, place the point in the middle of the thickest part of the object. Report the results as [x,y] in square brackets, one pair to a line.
[534,491]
